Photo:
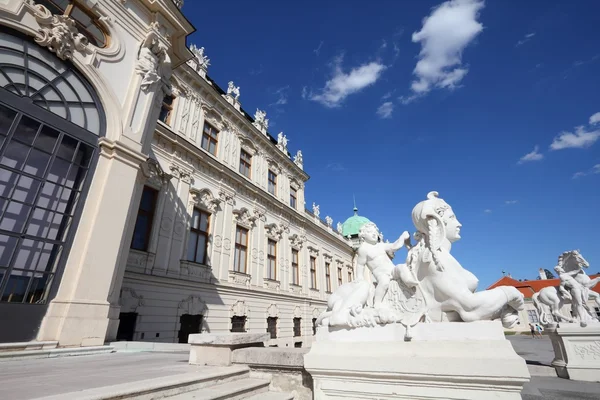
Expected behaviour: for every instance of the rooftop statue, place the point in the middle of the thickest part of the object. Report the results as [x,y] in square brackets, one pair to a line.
[431,287]
[202,60]
[575,288]
[233,90]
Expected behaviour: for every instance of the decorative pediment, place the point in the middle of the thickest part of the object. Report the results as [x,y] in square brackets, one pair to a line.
[273,311]
[130,300]
[247,144]
[294,182]
[297,312]
[275,231]
[193,305]
[297,241]
[180,173]
[273,166]
[313,251]
[327,257]
[204,199]
[239,309]
[247,218]
[213,117]
[154,174]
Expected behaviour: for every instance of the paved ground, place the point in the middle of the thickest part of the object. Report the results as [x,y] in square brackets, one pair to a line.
[30,379]
[538,354]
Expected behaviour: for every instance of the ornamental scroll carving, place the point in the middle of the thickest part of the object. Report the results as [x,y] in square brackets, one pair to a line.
[204,199]
[130,300]
[239,309]
[588,350]
[247,218]
[297,241]
[193,305]
[154,174]
[275,231]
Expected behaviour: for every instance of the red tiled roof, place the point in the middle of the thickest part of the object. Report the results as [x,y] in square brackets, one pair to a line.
[528,288]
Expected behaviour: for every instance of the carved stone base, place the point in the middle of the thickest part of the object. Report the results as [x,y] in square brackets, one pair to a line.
[576,351]
[450,360]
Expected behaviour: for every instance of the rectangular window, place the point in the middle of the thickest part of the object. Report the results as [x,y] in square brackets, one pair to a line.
[533,316]
[314,324]
[241,249]
[313,273]
[328,276]
[238,324]
[293,197]
[145,217]
[295,269]
[210,138]
[272,260]
[166,109]
[198,236]
[272,183]
[272,327]
[297,326]
[245,163]
[340,276]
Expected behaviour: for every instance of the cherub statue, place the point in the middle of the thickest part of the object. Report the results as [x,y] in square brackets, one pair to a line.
[233,90]
[449,289]
[373,254]
[316,210]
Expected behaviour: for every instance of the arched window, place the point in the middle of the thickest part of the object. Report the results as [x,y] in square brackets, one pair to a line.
[29,71]
[87,23]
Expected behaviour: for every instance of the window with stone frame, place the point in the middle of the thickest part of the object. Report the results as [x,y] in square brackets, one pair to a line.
[271,259]
[533,316]
[86,22]
[340,282]
[198,242]
[272,183]
[293,197]
[297,326]
[245,163]
[166,110]
[328,277]
[241,249]
[314,326]
[238,323]
[210,138]
[313,273]
[272,327]
[145,218]
[295,268]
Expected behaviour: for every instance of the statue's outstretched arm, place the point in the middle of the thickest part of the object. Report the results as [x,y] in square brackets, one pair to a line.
[403,240]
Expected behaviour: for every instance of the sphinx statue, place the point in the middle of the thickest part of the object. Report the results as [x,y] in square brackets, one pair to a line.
[431,286]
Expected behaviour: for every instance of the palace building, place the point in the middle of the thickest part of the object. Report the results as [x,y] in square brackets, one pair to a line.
[138,199]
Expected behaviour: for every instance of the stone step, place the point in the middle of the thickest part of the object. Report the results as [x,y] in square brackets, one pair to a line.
[20,346]
[271,396]
[166,387]
[239,389]
[51,353]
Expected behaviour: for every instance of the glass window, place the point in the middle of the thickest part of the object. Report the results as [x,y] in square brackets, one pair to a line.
[295,269]
[340,276]
[241,249]
[314,326]
[293,197]
[245,163]
[272,183]
[297,326]
[272,260]
[313,273]
[210,138]
[198,242]
[328,276]
[87,24]
[533,316]
[145,217]
[272,327]
[166,109]
[238,324]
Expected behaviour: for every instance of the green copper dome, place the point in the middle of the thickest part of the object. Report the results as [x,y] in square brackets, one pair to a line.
[353,224]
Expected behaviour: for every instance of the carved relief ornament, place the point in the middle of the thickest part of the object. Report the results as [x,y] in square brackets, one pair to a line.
[313,251]
[297,241]
[154,174]
[180,173]
[246,218]
[275,231]
[204,199]
[193,305]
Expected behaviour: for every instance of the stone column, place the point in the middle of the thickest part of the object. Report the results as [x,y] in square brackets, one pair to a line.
[78,315]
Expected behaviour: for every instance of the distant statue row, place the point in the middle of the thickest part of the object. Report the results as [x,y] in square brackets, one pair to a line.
[575,288]
[431,286]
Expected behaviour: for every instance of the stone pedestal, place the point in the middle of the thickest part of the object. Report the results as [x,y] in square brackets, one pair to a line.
[449,360]
[576,351]
[216,348]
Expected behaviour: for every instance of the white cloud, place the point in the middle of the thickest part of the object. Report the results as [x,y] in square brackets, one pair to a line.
[535,155]
[525,39]
[510,202]
[446,32]
[385,110]
[304,92]
[487,211]
[578,140]
[318,49]
[282,96]
[594,119]
[342,84]
[594,170]
[335,166]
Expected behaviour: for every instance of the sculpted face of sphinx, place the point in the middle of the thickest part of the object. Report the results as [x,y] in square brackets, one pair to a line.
[452,225]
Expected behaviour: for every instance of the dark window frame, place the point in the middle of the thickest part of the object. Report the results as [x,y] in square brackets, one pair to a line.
[150,214]
[272,183]
[293,197]
[245,164]
[295,267]
[239,248]
[166,109]
[271,258]
[328,276]
[313,272]
[199,232]
[238,323]
[208,137]
[272,327]
[297,326]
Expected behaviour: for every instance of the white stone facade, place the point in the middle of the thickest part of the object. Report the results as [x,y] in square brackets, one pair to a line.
[141,59]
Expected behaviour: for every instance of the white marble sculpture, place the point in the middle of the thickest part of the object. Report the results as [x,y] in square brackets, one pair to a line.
[316,210]
[202,60]
[154,63]
[298,159]
[260,120]
[339,228]
[329,221]
[58,33]
[575,289]
[431,287]
[232,90]
[282,142]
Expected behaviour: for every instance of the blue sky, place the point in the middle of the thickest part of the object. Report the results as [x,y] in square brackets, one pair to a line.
[493,104]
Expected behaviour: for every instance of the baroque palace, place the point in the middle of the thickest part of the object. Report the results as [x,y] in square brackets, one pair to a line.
[138,200]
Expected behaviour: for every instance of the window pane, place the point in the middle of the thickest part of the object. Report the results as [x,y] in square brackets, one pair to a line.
[7,117]
[15,154]
[36,164]
[148,199]
[67,148]
[204,221]
[195,222]
[142,225]
[84,155]
[46,139]
[201,249]
[16,287]
[26,130]
[191,256]
[212,148]
[14,217]
[7,247]
[7,182]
